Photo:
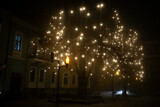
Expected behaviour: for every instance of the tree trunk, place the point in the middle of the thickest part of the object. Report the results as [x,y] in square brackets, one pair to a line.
[82,86]
[125,88]
[112,85]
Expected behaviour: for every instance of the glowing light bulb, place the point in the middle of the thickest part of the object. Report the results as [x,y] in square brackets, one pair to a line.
[71,11]
[81,34]
[98,6]
[75,58]
[61,55]
[57,37]
[77,43]
[76,29]
[48,32]
[60,18]
[89,63]
[68,41]
[84,8]
[88,14]
[81,38]
[101,5]
[101,24]
[94,27]
[104,69]
[63,63]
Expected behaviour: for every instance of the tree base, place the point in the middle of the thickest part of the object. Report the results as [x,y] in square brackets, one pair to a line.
[124,93]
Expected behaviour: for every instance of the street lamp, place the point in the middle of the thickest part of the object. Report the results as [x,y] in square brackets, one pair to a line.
[67,63]
[117,72]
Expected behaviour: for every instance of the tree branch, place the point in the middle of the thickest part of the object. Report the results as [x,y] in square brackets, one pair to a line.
[89,71]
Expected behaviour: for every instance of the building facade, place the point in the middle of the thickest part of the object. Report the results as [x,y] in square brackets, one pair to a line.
[21,70]
[4,34]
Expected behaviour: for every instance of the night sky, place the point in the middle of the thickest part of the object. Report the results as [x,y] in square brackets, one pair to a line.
[141,15]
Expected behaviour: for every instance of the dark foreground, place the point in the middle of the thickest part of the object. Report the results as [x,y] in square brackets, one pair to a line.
[117,101]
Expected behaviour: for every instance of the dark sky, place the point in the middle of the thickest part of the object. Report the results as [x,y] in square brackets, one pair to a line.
[141,15]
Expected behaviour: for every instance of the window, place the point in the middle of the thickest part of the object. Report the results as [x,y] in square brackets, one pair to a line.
[53,77]
[41,79]
[32,74]
[17,44]
[65,81]
[73,79]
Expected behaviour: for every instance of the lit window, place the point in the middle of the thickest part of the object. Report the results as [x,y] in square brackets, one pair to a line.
[17,45]
[32,74]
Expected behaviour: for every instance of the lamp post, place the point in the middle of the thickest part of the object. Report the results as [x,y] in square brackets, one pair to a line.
[66,62]
[117,73]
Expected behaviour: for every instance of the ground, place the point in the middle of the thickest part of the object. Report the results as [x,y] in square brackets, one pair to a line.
[117,101]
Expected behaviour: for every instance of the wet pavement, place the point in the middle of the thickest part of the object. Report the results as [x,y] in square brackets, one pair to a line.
[108,102]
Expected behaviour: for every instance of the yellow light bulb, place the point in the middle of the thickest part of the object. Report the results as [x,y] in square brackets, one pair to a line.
[67,60]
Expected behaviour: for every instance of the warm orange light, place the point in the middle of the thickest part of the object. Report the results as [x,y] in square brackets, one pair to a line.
[67,60]
[117,72]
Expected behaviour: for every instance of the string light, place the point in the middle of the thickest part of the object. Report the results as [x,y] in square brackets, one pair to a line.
[81,43]
[71,11]
[76,29]
[88,14]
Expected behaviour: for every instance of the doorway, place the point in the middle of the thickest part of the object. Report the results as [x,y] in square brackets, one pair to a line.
[16,83]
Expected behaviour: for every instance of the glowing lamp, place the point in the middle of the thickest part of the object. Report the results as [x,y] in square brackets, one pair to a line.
[117,72]
[67,61]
